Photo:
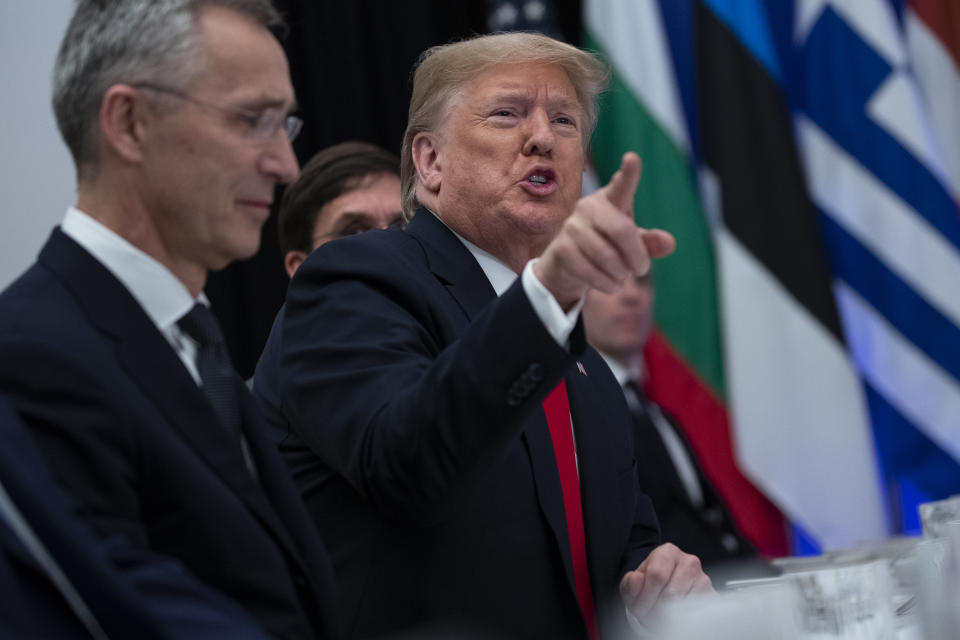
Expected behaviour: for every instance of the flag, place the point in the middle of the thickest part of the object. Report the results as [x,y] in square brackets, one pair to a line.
[813,168]
[643,112]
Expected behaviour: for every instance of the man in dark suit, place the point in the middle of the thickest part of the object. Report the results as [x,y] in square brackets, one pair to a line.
[345,189]
[431,389]
[176,114]
[692,514]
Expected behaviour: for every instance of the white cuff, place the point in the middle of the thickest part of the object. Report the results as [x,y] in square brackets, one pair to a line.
[557,323]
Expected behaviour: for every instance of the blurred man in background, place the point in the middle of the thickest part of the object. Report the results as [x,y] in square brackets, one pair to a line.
[345,189]
[692,514]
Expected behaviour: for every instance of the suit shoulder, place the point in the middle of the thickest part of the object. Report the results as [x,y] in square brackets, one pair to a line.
[390,248]
[35,304]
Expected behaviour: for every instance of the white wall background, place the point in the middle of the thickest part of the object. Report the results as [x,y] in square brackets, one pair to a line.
[37,180]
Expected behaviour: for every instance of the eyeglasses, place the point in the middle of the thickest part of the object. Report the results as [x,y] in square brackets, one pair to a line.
[261,124]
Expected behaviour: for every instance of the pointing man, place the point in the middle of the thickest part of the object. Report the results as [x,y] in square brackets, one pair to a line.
[468,458]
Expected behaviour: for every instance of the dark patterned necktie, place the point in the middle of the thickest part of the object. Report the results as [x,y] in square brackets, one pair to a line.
[217,377]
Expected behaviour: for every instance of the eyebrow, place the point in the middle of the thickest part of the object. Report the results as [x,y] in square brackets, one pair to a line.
[349,217]
[259,104]
[520,93]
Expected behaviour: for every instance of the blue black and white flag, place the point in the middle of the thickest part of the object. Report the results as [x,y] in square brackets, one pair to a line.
[821,142]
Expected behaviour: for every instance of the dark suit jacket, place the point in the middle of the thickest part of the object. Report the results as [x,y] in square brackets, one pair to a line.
[419,441]
[132,437]
[707,531]
[127,602]
[266,378]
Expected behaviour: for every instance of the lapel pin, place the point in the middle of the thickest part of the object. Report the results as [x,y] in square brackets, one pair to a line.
[580,367]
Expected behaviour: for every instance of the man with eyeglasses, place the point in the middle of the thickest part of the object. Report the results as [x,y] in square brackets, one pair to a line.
[177,114]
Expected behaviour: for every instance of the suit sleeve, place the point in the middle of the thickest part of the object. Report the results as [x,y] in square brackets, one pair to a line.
[92,450]
[388,382]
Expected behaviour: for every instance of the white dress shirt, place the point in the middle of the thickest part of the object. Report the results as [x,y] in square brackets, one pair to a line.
[671,441]
[558,323]
[161,295]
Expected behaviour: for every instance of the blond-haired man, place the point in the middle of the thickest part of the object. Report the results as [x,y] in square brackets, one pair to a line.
[466,455]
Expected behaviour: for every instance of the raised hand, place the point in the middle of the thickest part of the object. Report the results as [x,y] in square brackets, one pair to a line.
[599,245]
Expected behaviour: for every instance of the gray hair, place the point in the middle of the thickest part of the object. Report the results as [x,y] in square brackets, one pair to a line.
[110,42]
[441,71]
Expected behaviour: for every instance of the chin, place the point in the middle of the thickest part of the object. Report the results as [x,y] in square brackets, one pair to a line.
[241,251]
[539,221]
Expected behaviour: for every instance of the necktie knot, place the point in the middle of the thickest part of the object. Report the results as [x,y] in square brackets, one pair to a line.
[213,365]
[199,324]
[637,400]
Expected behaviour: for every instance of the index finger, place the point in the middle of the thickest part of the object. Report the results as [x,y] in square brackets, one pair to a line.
[623,185]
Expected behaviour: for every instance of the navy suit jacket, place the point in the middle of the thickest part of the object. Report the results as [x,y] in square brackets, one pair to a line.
[127,602]
[131,436]
[419,442]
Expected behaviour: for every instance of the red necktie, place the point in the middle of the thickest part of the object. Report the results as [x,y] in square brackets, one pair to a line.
[557,409]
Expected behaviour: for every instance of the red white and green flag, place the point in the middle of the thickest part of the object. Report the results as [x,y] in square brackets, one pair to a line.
[643,112]
[806,154]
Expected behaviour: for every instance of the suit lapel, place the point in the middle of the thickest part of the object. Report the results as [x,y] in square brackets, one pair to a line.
[539,445]
[599,444]
[453,264]
[151,362]
[653,451]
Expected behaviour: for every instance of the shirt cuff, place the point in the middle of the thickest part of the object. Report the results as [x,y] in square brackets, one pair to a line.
[558,324]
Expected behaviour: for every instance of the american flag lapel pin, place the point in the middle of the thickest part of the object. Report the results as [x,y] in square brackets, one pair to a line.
[580,368]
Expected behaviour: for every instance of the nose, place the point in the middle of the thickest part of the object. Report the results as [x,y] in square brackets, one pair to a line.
[279,161]
[636,291]
[630,291]
[539,134]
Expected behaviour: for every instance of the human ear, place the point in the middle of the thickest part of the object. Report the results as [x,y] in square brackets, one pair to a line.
[292,261]
[427,160]
[121,121]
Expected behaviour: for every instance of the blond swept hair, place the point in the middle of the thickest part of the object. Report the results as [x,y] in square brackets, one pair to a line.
[441,71]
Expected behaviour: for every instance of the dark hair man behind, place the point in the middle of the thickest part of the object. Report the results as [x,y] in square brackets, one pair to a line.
[692,514]
[430,373]
[177,114]
[345,189]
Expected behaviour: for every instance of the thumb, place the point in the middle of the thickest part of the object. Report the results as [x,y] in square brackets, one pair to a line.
[623,185]
[659,243]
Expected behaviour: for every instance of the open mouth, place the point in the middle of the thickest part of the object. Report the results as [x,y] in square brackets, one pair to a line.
[540,177]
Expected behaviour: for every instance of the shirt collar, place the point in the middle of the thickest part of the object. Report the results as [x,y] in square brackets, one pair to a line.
[163,297]
[499,274]
[624,374]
